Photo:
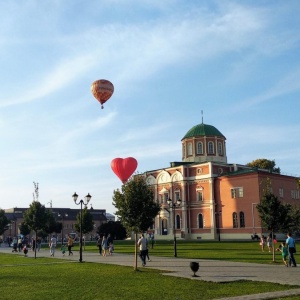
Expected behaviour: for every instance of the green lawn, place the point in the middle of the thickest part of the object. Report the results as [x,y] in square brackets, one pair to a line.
[50,278]
[248,251]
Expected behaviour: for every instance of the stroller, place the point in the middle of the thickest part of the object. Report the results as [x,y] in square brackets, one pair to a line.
[15,247]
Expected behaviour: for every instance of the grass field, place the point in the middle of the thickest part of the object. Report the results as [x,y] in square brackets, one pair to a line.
[248,251]
[51,278]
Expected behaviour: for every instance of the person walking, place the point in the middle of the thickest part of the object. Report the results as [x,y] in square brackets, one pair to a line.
[15,244]
[152,240]
[25,250]
[262,243]
[142,243]
[52,245]
[290,243]
[33,243]
[104,245]
[284,253]
[70,245]
[269,242]
[99,243]
[63,249]
[147,253]
[19,244]
[38,244]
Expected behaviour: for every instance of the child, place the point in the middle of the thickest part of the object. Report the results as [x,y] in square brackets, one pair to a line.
[284,252]
[262,243]
[63,250]
[25,251]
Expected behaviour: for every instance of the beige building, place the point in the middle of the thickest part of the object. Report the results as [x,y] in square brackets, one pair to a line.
[66,216]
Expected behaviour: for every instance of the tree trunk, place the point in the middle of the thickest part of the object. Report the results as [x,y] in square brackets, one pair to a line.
[273,246]
[135,252]
[35,244]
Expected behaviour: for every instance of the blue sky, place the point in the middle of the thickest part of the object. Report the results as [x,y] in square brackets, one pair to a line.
[238,61]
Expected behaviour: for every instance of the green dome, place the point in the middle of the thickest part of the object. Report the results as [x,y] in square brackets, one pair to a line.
[203,130]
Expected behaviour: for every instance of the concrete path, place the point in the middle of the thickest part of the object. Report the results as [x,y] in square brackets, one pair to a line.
[210,270]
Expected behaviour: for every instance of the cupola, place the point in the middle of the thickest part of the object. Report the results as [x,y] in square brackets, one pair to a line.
[203,143]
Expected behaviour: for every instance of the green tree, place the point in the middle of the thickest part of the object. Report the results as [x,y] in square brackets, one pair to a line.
[37,217]
[274,215]
[295,219]
[87,221]
[115,229]
[135,206]
[3,222]
[24,229]
[264,163]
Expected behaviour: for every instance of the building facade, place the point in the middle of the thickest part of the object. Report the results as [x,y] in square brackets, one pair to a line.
[217,199]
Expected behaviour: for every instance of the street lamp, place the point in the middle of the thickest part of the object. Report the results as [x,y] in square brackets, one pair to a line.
[173,206]
[218,214]
[87,199]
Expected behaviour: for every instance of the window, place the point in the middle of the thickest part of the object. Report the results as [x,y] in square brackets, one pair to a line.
[183,151]
[240,192]
[177,195]
[199,148]
[237,192]
[190,149]
[281,192]
[199,195]
[210,148]
[234,220]
[166,197]
[295,194]
[242,219]
[161,198]
[177,222]
[199,171]
[220,171]
[200,221]
[233,193]
[220,148]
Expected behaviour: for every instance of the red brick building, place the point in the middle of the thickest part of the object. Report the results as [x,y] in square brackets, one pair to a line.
[218,200]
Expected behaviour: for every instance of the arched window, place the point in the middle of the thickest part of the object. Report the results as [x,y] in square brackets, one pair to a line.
[164,227]
[199,148]
[242,219]
[190,149]
[199,194]
[234,220]
[183,151]
[200,221]
[177,195]
[177,223]
[220,148]
[210,148]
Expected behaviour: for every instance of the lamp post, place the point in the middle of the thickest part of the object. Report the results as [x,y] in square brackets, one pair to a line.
[87,199]
[173,206]
[218,214]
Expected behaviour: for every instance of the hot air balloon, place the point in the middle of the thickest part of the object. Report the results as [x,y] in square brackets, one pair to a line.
[102,90]
[124,168]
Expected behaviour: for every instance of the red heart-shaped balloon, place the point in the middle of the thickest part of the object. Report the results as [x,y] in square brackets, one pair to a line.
[124,168]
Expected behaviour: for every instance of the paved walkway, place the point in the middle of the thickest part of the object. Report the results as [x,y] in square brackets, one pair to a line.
[210,270]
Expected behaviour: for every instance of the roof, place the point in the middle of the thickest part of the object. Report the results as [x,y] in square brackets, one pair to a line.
[203,130]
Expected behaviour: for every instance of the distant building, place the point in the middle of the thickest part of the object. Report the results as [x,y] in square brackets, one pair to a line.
[66,216]
[110,217]
[218,199]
